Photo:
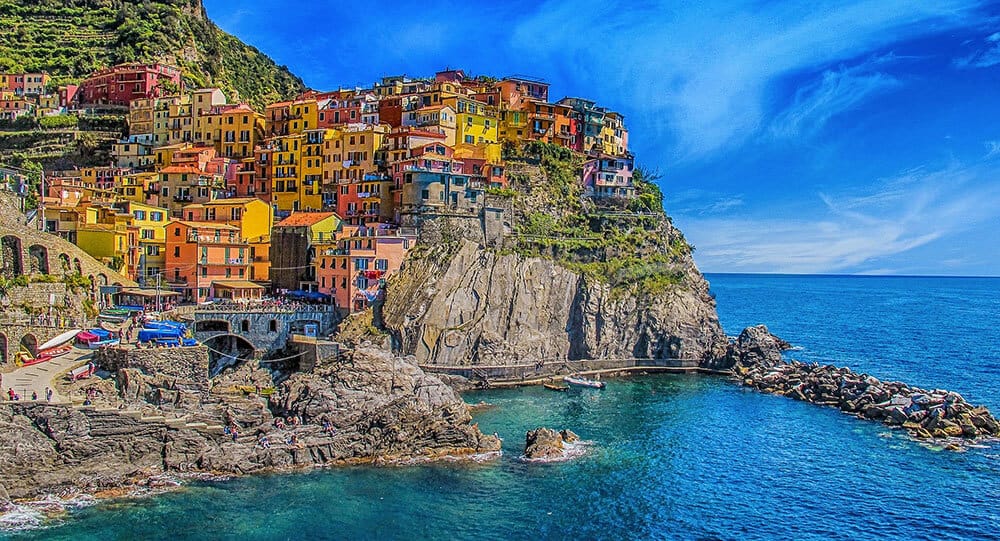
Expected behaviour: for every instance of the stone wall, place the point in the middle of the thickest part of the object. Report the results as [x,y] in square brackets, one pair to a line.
[187,364]
[26,250]
[266,330]
[39,297]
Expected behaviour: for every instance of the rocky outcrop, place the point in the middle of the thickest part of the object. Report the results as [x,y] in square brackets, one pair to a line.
[368,406]
[545,444]
[757,363]
[480,307]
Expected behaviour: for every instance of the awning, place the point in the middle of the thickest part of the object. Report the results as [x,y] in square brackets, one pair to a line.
[235,284]
[148,293]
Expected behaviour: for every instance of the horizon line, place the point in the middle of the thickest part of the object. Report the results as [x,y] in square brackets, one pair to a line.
[854,275]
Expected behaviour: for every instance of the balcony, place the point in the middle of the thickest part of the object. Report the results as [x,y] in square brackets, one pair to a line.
[183,198]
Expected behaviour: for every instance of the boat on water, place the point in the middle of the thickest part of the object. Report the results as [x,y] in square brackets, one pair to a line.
[557,388]
[580,381]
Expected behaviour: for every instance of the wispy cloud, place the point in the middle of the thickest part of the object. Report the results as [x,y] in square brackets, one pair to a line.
[992,149]
[851,232]
[987,56]
[832,93]
[703,72]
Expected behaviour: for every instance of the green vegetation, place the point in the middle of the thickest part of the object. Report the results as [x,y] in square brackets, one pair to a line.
[635,249]
[72,38]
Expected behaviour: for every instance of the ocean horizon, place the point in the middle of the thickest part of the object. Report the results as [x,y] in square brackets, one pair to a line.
[667,456]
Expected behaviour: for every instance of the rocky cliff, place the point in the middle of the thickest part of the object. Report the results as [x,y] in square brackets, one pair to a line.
[561,276]
[367,406]
[478,306]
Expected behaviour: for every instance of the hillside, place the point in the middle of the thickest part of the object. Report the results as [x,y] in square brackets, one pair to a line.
[72,38]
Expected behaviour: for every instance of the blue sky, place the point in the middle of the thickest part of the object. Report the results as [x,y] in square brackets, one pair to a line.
[798,136]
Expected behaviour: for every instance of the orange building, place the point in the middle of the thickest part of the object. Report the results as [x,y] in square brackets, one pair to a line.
[352,268]
[208,260]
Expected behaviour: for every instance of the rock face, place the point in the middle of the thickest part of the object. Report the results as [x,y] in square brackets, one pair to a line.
[756,361]
[480,307]
[547,444]
[367,407]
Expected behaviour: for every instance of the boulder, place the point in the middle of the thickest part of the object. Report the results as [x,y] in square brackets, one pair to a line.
[547,444]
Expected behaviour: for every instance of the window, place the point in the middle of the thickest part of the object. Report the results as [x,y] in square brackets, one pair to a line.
[382,264]
[245,325]
[177,233]
[146,234]
[425,194]
[177,251]
[470,139]
[156,216]
[360,263]
[152,250]
[272,325]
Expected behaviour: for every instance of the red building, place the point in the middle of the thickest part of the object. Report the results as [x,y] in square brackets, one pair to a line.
[119,85]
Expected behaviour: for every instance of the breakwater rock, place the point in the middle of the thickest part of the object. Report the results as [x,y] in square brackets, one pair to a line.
[925,414]
[545,444]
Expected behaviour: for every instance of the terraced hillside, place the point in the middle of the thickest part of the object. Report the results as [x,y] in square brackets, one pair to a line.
[72,38]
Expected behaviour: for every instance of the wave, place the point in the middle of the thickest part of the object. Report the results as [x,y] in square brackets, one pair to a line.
[570,451]
[41,513]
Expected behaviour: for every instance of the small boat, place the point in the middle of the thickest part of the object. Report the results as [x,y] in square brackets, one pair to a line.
[557,388]
[59,340]
[583,382]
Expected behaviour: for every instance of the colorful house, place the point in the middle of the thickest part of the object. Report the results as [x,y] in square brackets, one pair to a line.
[119,85]
[254,219]
[200,255]
[353,267]
[293,248]
[609,176]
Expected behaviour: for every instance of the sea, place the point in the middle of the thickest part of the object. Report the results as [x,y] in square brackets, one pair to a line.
[667,456]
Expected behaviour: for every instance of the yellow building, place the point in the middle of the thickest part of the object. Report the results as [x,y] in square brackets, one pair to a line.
[614,136]
[234,130]
[477,131]
[138,187]
[149,225]
[108,236]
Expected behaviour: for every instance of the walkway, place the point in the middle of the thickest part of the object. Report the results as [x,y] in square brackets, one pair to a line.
[36,378]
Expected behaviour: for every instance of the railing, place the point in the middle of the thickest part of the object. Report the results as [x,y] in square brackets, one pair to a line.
[47,321]
[556,367]
[252,307]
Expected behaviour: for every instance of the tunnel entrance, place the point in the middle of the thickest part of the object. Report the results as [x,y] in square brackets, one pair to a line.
[227,351]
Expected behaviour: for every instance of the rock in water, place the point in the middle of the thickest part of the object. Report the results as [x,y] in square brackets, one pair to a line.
[547,444]
[756,361]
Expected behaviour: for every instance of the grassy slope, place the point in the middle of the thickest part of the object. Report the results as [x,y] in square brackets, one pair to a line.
[71,38]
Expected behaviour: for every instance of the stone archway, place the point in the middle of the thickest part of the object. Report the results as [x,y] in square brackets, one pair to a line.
[102,279]
[79,268]
[11,256]
[212,325]
[64,263]
[29,343]
[3,348]
[38,259]
[227,351]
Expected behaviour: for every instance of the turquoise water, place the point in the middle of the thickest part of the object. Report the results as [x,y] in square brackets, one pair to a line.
[672,457]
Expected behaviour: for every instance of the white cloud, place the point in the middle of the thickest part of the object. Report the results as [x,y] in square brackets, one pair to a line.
[986,57]
[834,92]
[851,232]
[703,72]
[992,149]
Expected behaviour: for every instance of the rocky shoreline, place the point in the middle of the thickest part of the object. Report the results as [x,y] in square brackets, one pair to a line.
[925,414]
[366,407]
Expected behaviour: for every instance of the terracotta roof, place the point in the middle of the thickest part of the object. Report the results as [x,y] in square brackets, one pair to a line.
[298,219]
[181,169]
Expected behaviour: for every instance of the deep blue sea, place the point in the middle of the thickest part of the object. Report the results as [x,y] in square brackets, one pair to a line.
[672,457]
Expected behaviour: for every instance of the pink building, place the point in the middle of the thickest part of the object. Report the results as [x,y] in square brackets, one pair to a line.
[119,85]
